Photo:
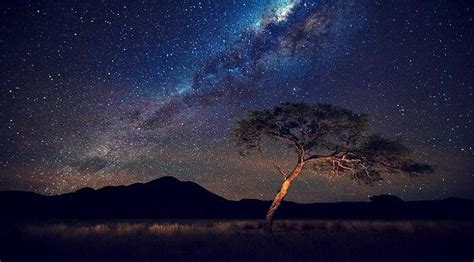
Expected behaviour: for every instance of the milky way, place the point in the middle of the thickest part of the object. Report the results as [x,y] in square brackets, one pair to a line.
[106,93]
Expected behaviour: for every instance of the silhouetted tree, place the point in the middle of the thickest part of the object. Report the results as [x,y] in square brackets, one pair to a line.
[329,137]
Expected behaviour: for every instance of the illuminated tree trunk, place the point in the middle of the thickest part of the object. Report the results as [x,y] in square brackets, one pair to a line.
[281,195]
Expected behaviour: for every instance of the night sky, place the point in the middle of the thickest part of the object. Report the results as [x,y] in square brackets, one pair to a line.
[98,93]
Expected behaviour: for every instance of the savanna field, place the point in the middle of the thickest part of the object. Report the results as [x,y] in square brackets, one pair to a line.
[208,240]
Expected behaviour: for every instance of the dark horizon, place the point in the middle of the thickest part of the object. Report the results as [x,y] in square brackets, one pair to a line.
[169,198]
[369,198]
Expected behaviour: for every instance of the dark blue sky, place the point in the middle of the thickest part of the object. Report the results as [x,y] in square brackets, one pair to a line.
[105,93]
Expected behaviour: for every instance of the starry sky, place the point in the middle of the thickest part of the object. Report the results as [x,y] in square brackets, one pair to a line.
[98,93]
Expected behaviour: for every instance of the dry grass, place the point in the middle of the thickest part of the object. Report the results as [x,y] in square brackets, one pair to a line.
[316,240]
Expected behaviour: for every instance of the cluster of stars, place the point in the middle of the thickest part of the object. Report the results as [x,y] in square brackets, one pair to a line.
[102,93]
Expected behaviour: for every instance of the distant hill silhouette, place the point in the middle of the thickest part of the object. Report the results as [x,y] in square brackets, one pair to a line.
[169,198]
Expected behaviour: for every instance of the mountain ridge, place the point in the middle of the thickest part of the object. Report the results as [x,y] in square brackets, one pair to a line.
[169,198]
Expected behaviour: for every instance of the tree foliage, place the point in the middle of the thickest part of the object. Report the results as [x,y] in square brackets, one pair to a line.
[330,137]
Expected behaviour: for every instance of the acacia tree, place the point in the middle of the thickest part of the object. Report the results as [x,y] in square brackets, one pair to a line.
[330,138]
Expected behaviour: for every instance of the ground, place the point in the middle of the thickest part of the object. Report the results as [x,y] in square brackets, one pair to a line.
[305,240]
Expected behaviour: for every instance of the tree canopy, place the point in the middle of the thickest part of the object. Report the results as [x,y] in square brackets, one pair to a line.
[331,137]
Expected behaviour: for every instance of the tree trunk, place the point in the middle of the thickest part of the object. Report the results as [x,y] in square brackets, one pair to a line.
[281,195]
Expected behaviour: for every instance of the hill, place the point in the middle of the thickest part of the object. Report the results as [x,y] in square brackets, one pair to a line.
[170,198]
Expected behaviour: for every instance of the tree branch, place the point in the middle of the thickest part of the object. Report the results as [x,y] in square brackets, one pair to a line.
[321,157]
[299,147]
[281,172]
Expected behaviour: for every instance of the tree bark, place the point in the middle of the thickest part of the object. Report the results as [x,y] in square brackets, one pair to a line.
[282,194]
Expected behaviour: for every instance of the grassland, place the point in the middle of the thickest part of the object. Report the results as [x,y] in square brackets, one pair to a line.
[318,240]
